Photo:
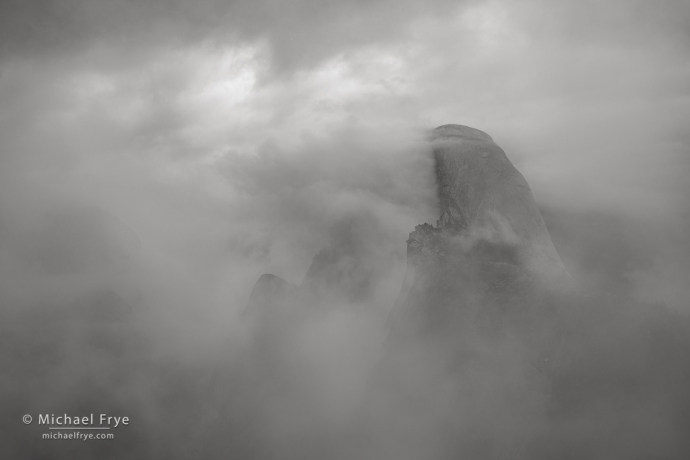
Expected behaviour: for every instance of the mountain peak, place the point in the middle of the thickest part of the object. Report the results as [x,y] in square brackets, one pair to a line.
[465,132]
[484,198]
[490,245]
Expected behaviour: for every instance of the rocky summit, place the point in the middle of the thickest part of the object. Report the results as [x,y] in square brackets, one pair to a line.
[488,305]
[483,198]
[490,250]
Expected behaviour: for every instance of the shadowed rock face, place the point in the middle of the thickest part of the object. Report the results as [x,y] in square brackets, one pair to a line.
[335,275]
[270,290]
[490,254]
[342,273]
[480,306]
[487,277]
[487,202]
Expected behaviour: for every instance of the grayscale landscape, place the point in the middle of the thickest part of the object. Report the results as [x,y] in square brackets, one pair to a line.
[345,230]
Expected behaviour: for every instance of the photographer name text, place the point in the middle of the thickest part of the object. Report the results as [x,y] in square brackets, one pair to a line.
[103,420]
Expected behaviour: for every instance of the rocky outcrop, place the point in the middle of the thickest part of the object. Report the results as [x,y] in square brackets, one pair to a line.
[490,253]
[485,202]
[337,275]
[488,305]
[481,302]
[269,292]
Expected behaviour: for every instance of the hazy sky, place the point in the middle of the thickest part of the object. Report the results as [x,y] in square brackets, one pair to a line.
[171,152]
[251,128]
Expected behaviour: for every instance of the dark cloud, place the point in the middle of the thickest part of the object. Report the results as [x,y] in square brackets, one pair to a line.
[299,32]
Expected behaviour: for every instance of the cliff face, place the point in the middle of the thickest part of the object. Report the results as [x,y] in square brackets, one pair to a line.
[490,251]
[481,306]
[484,198]
[344,273]
[487,304]
[485,202]
[336,275]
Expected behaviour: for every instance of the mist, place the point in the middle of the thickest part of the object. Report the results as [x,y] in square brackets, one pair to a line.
[157,158]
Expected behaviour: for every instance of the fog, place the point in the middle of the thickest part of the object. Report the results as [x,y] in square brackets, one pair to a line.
[156,158]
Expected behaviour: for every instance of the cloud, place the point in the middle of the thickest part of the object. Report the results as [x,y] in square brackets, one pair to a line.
[238,138]
[259,125]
